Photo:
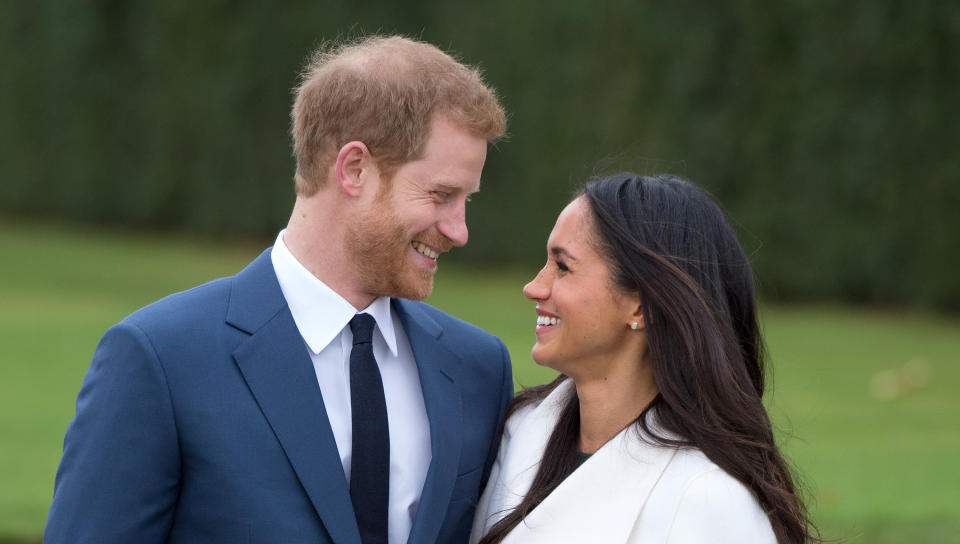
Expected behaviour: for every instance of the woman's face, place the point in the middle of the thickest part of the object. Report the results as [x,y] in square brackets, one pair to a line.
[583,321]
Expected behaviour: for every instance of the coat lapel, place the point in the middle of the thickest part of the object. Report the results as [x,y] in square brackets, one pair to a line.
[437,367]
[277,368]
[600,501]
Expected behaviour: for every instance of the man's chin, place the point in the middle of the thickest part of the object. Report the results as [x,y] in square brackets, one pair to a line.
[417,287]
[421,290]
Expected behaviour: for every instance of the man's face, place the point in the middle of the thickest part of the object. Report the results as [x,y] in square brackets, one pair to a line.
[418,215]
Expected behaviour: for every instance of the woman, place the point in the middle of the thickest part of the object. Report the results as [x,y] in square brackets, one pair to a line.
[655,431]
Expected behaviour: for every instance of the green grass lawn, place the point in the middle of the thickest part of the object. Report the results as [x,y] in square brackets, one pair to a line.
[868,400]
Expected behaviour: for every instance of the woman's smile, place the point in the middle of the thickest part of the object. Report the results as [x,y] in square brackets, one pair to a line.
[546,321]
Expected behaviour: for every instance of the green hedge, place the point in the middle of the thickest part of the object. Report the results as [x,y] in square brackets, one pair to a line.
[827,129]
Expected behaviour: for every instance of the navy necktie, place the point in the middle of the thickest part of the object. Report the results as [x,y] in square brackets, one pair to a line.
[370,467]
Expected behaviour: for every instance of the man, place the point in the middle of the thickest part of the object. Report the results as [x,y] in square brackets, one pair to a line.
[265,407]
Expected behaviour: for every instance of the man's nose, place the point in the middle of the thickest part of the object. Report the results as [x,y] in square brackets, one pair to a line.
[454,225]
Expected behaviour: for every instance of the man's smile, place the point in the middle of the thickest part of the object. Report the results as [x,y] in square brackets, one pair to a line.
[425,250]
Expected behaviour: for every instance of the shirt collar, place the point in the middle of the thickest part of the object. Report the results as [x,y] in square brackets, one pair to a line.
[319,312]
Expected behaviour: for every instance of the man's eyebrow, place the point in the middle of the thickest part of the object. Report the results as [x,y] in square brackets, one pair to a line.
[452,188]
[560,251]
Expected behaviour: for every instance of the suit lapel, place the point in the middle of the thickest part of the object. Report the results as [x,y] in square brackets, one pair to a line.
[601,500]
[437,367]
[277,368]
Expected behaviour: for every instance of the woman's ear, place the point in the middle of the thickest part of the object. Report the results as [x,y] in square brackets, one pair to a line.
[353,161]
[635,319]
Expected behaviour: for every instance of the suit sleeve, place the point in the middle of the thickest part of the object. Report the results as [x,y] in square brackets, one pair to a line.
[119,476]
[506,395]
[718,509]
[483,514]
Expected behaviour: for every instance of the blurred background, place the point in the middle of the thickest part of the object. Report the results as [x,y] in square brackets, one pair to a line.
[144,148]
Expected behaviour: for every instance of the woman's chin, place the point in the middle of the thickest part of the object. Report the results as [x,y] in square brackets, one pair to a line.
[543,359]
[537,355]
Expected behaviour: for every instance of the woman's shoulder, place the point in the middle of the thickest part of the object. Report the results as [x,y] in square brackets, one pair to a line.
[702,480]
[696,479]
[692,464]
[705,501]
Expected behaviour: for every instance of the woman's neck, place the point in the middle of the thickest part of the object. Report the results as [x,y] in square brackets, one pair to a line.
[609,403]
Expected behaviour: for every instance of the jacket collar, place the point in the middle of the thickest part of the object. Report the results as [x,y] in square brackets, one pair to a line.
[600,501]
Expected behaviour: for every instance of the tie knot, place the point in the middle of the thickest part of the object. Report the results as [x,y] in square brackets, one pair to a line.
[362,328]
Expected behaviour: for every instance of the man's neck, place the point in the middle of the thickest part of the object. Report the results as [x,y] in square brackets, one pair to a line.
[315,237]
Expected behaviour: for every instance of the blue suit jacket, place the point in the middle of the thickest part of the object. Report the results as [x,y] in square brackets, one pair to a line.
[201,420]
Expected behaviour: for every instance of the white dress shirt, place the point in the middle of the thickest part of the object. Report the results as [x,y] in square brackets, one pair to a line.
[323,317]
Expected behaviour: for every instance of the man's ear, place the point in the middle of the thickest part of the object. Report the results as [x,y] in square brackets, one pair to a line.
[354,164]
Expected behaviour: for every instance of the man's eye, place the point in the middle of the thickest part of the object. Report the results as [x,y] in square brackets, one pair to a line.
[442,196]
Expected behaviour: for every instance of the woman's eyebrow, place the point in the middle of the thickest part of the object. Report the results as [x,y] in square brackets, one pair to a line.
[560,251]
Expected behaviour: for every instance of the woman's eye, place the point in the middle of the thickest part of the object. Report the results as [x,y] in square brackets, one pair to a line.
[562,266]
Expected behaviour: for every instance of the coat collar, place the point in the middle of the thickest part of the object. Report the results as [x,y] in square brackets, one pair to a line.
[600,501]
[277,368]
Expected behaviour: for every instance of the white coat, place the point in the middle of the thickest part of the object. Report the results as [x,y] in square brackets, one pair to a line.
[629,491]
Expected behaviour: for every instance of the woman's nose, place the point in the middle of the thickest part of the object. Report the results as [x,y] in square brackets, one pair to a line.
[537,288]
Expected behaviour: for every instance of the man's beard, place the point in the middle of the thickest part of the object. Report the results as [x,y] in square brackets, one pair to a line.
[379,249]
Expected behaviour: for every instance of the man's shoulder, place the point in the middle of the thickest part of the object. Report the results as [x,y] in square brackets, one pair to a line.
[209,301]
[185,307]
[450,324]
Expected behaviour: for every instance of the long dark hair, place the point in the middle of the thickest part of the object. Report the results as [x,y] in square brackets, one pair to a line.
[669,241]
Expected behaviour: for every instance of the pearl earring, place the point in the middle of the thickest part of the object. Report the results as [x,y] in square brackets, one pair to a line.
[634,325]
